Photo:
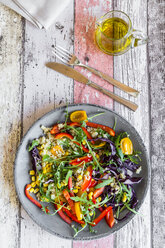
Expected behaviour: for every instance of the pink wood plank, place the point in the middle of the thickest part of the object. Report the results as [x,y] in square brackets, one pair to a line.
[86,13]
[100,243]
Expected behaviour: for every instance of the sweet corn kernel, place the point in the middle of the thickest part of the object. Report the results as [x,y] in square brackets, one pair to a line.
[90,195]
[31,190]
[75,191]
[79,177]
[67,153]
[84,142]
[124,197]
[99,199]
[45,185]
[90,213]
[105,205]
[33,184]
[37,183]
[44,189]
[97,156]
[44,170]
[33,178]
[83,225]
[32,172]
[58,186]
[36,190]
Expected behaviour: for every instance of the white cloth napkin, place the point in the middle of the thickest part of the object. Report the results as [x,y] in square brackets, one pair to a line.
[41,13]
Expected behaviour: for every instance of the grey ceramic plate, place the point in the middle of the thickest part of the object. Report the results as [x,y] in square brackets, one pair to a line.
[54,224]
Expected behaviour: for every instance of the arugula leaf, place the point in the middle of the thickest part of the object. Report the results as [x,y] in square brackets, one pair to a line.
[47,158]
[90,118]
[34,143]
[69,174]
[104,183]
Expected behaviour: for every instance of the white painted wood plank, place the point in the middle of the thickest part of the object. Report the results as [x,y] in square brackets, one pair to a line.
[44,90]
[156,49]
[131,69]
[10,122]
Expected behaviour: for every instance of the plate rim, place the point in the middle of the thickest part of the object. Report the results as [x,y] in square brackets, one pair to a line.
[77,238]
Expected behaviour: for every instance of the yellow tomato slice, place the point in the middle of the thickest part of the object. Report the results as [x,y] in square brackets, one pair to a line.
[78,116]
[126,146]
[78,211]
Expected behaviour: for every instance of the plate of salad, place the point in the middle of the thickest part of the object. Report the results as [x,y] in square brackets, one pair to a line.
[81,172]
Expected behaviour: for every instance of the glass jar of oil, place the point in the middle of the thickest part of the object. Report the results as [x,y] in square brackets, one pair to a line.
[114,33]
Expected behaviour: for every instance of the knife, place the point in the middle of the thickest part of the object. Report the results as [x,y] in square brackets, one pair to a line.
[72,73]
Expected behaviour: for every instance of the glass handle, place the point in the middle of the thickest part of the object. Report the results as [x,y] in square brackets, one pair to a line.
[138,38]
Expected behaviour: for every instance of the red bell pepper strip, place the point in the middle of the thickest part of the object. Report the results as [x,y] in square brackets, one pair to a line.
[79,160]
[105,128]
[62,215]
[85,149]
[87,179]
[55,129]
[92,183]
[98,192]
[74,124]
[27,188]
[70,186]
[72,216]
[101,216]
[87,134]
[100,208]
[63,135]
[110,218]
[70,201]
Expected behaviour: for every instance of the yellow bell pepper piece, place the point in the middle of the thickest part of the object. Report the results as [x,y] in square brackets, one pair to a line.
[126,146]
[78,116]
[78,211]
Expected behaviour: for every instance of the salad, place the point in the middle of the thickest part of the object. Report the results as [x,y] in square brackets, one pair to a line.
[86,171]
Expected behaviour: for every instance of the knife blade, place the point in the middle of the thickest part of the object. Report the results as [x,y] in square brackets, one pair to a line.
[72,73]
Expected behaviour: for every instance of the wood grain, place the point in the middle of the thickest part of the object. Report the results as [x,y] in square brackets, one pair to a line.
[10,122]
[156,49]
[131,68]
[86,13]
[44,90]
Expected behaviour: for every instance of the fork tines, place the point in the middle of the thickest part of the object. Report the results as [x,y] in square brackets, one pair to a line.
[62,54]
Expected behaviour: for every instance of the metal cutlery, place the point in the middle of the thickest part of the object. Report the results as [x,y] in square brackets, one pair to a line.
[70,59]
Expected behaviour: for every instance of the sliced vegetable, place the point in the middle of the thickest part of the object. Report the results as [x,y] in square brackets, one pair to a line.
[98,192]
[78,211]
[27,188]
[101,216]
[72,216]
[87,134]
[74,124]
[126,146]
[105,128]
[63,135]
[78,116]
[70,201]
[92,183]
[110,218]
[77,161]
[87,179]
[70,186]
[55,129]
[62,215]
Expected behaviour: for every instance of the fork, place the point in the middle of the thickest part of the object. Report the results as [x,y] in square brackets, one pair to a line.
[71,59]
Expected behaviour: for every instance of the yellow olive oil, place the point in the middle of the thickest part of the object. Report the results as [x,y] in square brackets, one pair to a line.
[111,36]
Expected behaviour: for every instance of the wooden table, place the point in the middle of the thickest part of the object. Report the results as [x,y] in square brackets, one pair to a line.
[29,90]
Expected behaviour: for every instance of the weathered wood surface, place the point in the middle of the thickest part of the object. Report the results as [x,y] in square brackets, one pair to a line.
[131,68]
[156,52]
[10,122]
[23,80]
